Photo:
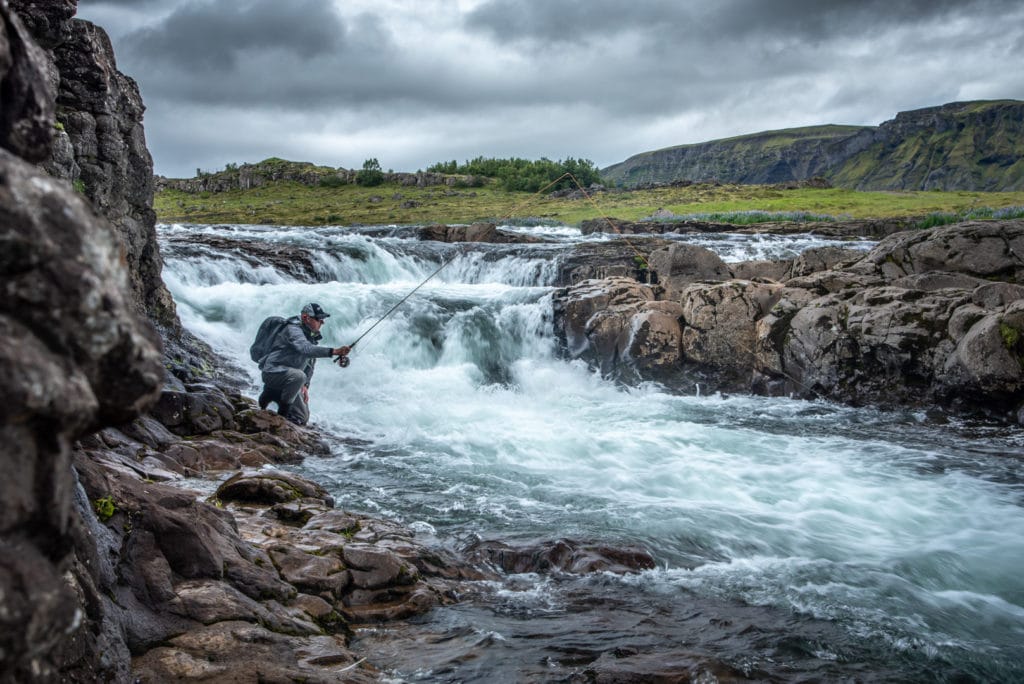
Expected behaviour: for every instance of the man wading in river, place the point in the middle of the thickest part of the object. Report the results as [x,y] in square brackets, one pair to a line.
[287,353]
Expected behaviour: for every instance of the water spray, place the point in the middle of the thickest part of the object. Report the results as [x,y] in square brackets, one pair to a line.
[343,361]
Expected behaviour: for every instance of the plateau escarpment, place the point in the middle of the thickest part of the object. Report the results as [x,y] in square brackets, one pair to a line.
[956,146]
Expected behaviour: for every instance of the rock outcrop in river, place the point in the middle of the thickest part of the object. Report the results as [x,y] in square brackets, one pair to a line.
[928,317]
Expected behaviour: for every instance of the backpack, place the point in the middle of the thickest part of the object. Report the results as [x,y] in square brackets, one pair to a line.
[265,336]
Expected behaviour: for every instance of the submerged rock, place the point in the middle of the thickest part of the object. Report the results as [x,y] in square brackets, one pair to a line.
[562,555]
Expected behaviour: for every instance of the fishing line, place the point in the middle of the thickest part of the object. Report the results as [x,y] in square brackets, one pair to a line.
[343,361]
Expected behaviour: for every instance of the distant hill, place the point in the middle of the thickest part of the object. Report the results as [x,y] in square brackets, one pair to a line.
[956,146]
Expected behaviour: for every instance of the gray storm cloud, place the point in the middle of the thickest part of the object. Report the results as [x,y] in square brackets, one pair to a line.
[588,78]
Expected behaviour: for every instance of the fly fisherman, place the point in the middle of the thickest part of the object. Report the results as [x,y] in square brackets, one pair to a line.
[288,367]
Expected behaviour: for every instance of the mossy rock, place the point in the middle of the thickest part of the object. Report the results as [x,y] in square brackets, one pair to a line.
[271,488]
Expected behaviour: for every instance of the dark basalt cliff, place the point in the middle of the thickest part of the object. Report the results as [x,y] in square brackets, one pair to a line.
[74,355]
[956,146]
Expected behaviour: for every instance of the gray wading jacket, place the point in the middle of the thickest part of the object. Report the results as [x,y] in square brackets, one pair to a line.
[294,348]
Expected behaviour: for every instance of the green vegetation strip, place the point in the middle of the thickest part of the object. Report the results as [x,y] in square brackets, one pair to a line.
[291,203]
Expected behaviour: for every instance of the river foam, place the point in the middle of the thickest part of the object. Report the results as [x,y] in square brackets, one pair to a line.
[874,536]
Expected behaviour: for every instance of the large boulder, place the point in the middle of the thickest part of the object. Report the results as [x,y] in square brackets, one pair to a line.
[822,259]
[680,264]
[988,358]
[240,651]
[596,319]
[562,555]
[719,331]
[606,259]
[272,487]
[764,269]
[993,250]
[477,232]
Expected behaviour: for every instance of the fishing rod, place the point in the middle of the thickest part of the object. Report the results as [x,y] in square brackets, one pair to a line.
[343,361]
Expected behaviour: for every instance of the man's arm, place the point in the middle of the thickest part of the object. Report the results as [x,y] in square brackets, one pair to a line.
[297,340]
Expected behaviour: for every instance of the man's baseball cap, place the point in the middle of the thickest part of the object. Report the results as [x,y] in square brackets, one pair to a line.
[316,311]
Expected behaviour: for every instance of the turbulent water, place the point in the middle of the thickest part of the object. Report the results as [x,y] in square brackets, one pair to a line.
[794,540]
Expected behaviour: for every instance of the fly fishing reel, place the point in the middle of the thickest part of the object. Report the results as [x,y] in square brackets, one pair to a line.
[342,361]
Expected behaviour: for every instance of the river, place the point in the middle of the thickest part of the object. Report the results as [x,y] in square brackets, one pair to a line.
[794,540]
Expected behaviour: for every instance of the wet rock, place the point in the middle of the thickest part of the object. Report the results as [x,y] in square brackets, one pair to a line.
[985,249]
[59,261]
[681,264]
[655,348]
[317,608]
[599,260]
[374,568]
[677,667]
[385,605]
[596,316]
[890,327]
[293,260]
[194,412]
[270,488]
[576,307]
[763,269]
[149,431]
[208,601]
[295,513]
[315,574]
[174,561]
[852,228]
[562,555]
[243,652]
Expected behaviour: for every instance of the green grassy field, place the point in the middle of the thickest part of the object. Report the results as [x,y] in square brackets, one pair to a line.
[289,203]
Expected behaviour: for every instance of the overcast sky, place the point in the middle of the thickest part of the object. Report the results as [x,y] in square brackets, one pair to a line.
[413,82]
